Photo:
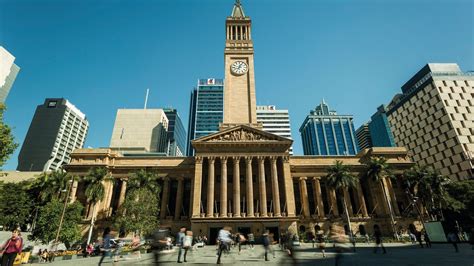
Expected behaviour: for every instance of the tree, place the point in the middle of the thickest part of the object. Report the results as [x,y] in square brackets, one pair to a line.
[7,141]
[340,179]
[461,200]
[15,206]
[141,203]
[95,191]
[429,186]
[48,185]
[377,170]
[49,219]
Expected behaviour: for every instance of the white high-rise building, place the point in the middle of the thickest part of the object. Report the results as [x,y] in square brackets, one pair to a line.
[8,73]
[275,121]
[57,129]
[140,131]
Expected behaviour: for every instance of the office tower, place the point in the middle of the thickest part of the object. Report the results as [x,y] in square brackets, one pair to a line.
[139,131]
[8,73]
[363,137]
[377,132]
[434,119]
[57,129]
[176,133]
[275,121]
[324,132]
[206,109]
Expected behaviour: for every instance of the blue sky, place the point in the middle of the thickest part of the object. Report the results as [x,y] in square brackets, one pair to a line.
[103,55]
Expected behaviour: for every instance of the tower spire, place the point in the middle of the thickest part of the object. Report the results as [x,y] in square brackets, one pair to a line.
[238,10]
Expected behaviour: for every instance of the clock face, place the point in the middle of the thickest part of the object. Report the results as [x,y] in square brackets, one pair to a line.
[239,67]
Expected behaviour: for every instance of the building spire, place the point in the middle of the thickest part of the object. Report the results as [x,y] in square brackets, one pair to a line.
[238,10]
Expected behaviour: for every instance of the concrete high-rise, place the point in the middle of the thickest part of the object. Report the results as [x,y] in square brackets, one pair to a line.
[324,132]
[8,73]
[206,110]
[275,121]
[140,131]
[434,119]
[363,137]
[57,129]
[176,133]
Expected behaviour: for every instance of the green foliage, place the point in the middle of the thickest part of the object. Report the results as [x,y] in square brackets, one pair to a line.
[48,186]
[49,219]
[95,190]
[15,205]
[339,177]
[461,197]
[143,179]
[378,168]
[139,212]
[7,141]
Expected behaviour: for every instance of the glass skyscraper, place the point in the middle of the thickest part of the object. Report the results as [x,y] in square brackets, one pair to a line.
[380,131]
[176,133]
[206,109]
[324,132]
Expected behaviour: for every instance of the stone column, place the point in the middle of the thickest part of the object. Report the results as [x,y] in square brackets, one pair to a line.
[275,188]
[197,185]
[332,201]
[249,186]
[72,198]
[123,191]
[165,198]
[210,187]
[262,186]
[304,197]
[288,183]
[236,183]
[393,198]
[223,187]
[318,197]
[179,199]
[361,201]
[347,198]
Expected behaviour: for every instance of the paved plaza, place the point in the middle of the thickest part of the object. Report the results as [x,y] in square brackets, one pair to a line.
[397,254]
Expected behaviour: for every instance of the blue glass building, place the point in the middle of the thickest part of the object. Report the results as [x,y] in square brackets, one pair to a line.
[206,110]
[176,133]
[379,128]
[324,132]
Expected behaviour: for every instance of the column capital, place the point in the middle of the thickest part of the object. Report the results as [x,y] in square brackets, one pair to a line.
[198,159]
[211,159]
[302,178]
[316,178]
[223,159]
[180,178]
[286,159]
[248,159]
[166,178]
[236,159]
[273,159]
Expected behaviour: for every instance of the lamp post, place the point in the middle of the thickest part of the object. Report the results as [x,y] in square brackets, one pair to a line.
[56,241]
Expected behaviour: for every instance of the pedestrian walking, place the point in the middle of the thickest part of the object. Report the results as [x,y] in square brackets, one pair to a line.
[225,240]
[251,239]
[418,238]
[159,243]
[341,243]
[271,237]
[11,248]
[266,243]
[321,242]
[453,239]
[427,239]
[179,242]
[412,238]
[106,245]
[240,239]
[136,246]
[378,239]
[187,243]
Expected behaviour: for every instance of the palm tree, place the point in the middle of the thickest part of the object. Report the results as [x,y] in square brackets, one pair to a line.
[339,178]
[48,185]
[377,170]
[95,191]
[143,179]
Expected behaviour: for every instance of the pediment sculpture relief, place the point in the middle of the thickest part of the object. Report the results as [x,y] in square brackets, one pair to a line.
[240,135]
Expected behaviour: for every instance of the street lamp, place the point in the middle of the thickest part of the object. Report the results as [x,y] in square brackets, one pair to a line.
[56,241]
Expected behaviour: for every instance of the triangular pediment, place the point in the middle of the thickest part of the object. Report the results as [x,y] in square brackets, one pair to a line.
[241,133]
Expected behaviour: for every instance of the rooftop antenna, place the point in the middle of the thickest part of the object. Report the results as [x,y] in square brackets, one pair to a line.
[146,97]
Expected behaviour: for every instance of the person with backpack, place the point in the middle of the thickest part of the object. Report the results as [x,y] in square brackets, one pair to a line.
[11,248]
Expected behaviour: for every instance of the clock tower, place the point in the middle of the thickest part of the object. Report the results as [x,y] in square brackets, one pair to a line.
[239,86]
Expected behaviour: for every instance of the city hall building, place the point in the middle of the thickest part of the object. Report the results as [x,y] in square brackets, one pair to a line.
[244,177]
